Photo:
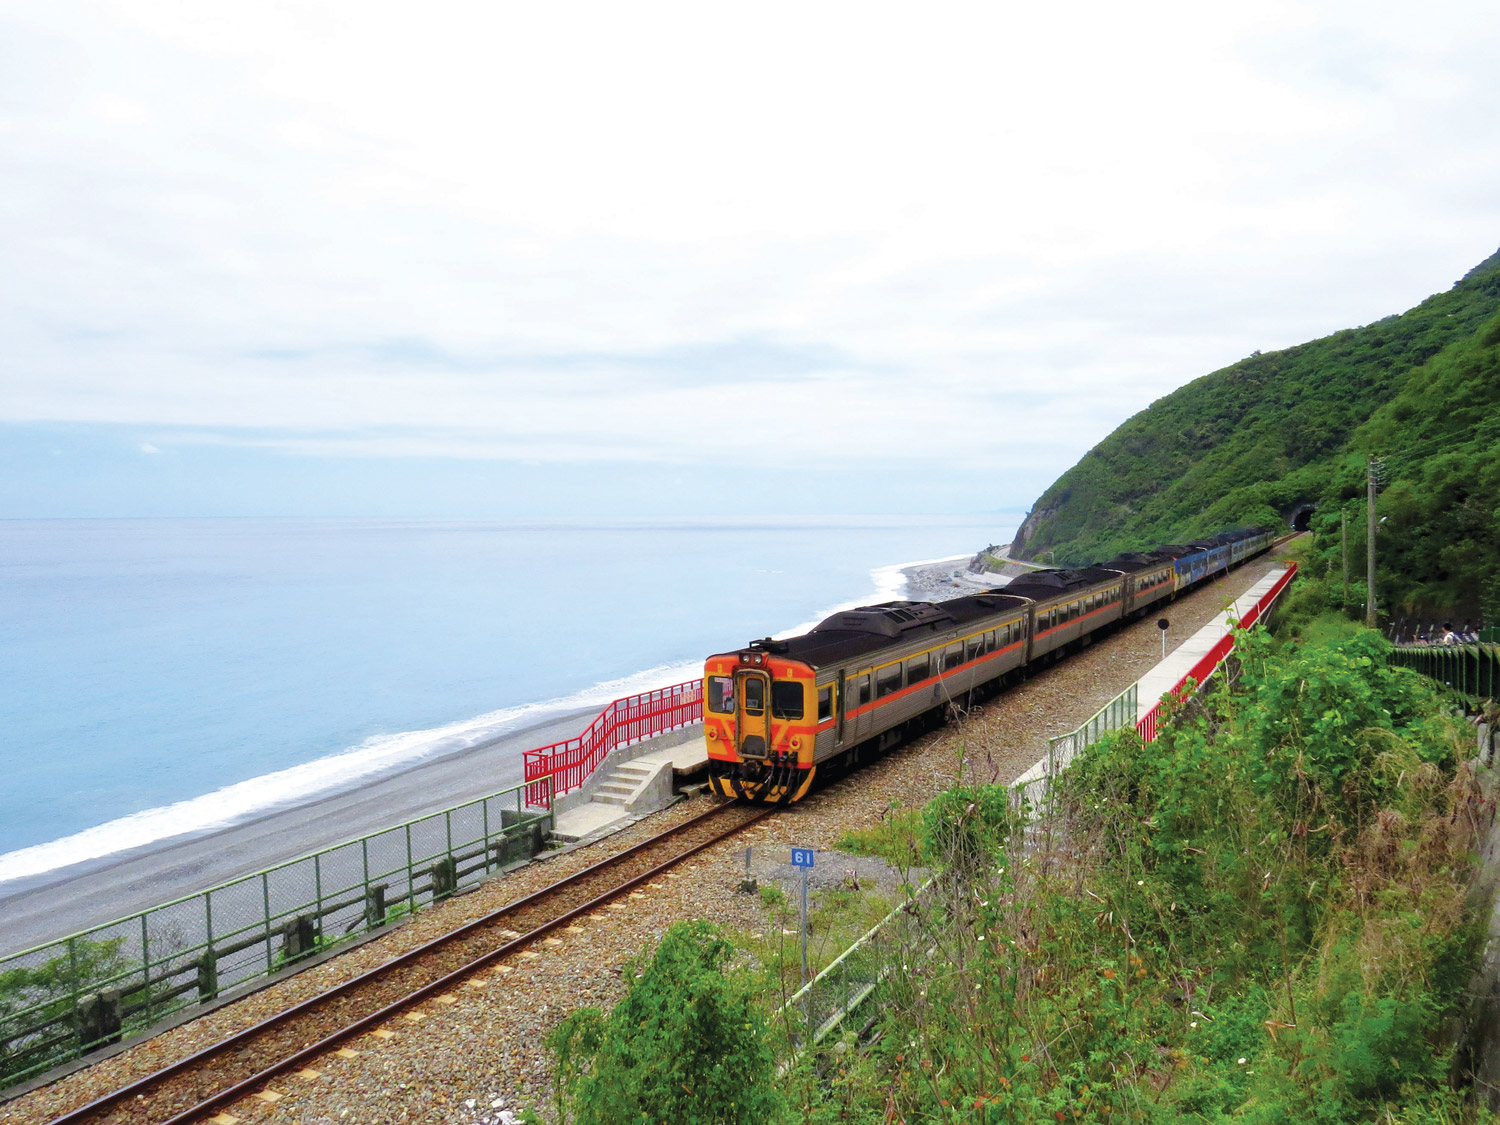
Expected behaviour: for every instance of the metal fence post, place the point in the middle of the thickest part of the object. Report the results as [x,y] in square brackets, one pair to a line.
[146,964]
[75,983]
[411,883]
[265,897]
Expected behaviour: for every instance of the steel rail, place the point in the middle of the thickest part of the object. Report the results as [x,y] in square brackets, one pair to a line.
[142,1087]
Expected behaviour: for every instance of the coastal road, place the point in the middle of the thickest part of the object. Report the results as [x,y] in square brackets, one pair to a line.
[56,903]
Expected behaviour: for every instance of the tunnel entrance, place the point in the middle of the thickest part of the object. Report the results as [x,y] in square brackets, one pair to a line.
[1299,517]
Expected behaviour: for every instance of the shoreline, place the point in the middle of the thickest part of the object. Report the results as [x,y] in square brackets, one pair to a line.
[118,883]
[113,886]
[941,579]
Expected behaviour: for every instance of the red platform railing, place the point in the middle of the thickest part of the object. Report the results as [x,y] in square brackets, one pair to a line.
[567,764]
[1209,662]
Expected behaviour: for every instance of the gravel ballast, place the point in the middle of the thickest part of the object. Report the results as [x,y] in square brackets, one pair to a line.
[478,1051]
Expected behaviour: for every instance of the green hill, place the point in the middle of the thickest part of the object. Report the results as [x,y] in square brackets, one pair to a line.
[1257,440]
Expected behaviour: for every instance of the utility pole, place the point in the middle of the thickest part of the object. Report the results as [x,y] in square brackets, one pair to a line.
[1344,542]
[1372,468]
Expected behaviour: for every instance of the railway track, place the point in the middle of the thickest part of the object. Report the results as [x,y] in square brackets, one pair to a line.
[196,1086]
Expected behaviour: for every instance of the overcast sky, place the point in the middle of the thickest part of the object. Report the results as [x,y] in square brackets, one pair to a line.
[495,259]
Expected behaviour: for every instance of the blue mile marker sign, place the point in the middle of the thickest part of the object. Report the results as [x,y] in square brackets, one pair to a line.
[803,858]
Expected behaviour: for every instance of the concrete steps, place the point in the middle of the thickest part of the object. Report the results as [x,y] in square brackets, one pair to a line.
[622,783]
[623,790]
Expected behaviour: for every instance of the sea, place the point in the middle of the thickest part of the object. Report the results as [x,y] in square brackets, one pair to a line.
[162,676]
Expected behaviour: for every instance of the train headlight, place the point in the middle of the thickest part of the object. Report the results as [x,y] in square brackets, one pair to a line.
[795,743]
[710,733]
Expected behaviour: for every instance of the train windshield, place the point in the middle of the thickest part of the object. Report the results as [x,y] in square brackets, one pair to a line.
[786,700]
[721,694]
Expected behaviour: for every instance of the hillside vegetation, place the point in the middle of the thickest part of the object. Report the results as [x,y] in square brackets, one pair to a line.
[1247,444]
[1263,917]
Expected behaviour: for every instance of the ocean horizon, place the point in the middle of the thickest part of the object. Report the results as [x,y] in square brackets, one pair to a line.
[171,676]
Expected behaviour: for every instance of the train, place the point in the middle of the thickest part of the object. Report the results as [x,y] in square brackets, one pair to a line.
[777,713]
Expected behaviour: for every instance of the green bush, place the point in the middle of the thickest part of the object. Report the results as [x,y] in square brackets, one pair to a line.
[687,1045]
[1262,916]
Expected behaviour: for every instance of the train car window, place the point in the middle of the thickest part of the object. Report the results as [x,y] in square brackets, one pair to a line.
[825,703]
[887,681]
[755,695]
[721,695]
[973,648]
[787,699]
[862,690]
[918,668]
[992,640]
[953,656]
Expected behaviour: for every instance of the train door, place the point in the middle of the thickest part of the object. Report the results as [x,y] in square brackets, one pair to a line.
[838,702]
[753,715]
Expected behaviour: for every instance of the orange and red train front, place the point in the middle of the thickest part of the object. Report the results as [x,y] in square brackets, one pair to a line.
[759,720]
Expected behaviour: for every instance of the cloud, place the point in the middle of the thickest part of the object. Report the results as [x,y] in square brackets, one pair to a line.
[973,239]
[147,447]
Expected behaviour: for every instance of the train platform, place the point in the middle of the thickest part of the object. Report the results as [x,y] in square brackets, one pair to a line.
[629,784]
[1185,657]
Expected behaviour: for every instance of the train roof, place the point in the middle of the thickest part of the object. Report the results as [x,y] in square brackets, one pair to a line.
[869,628]
[853,632]
[1132,561]
[1043,585]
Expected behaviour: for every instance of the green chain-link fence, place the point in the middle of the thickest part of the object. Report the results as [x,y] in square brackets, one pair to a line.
[67,997]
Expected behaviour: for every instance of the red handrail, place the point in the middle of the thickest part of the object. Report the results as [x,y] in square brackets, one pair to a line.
[567,764]
[1150,722]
